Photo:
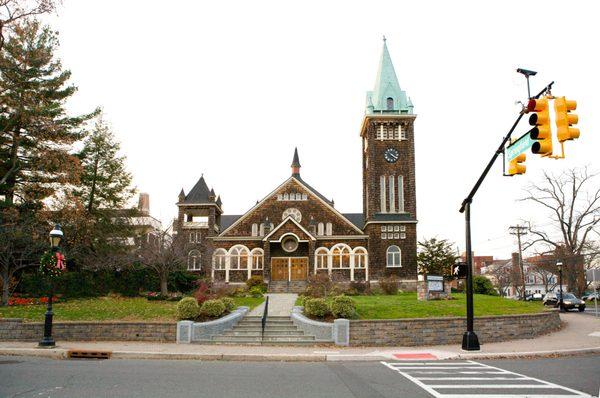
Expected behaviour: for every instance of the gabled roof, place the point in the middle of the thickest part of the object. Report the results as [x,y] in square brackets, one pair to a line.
[227,220]
[293,220]
[198,194]
[327,203]
[357,219]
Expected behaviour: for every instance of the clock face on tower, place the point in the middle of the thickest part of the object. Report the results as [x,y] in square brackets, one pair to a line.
[391,155]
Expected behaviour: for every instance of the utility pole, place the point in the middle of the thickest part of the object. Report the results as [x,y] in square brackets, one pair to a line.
[519,230]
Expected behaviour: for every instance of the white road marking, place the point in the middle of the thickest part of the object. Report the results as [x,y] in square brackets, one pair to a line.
[424,374]
[594,334]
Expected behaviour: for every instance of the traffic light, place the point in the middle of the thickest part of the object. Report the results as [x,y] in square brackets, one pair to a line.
[517,165]
[540,119]
[565,119]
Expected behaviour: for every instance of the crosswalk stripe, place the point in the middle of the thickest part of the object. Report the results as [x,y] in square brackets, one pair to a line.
[486,376]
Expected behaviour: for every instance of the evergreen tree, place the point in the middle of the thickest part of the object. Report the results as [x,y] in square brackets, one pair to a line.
[105,182]
[36,134]
[435,257]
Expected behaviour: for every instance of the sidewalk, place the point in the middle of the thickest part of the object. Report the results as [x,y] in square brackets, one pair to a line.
[580,334]
[280,304]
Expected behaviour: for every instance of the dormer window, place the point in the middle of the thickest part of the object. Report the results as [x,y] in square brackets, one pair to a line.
[390,104]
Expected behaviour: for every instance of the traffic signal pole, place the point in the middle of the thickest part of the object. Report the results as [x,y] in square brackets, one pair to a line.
[470,341]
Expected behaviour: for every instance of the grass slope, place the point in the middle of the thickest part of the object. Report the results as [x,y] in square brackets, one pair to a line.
[107,309]
[406,305]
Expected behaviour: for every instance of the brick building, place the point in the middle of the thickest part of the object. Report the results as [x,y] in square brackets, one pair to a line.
[295,231]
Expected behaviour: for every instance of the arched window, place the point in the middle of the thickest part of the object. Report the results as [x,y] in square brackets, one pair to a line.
[393,257]
[194,261]
[254,229]
[360,257]
[321,255]
[238,257]
[340,255]
[294,213]
[257,256]
[219,258]
[329,229]
[390,104]
[321,229]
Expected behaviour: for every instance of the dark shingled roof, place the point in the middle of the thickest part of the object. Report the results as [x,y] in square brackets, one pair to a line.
[356,218]
[313,190]
[198,194]
[228,220]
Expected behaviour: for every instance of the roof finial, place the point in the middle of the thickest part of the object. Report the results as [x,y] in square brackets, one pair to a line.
[384,39]
[296,164]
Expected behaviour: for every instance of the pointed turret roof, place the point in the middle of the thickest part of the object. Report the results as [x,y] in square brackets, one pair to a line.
[198,194]
[386,87]
[296,164]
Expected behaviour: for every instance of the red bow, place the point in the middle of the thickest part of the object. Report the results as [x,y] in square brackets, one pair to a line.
[60,261]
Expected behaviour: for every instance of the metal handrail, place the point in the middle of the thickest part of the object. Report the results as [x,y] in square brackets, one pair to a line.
[264,317]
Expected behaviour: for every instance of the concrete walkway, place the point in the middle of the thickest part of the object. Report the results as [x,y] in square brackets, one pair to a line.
[280,304]
[580,335]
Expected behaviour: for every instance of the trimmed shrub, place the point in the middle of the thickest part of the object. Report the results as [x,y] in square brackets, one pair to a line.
[257,280]
[316,307]
[343,307]
[255,291]
[359,288]
[389,284]
[482,285]
[212,308]
[319,285]
[188,309]
[229,303]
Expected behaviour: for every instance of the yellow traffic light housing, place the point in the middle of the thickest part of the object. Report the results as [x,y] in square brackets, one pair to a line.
[565,119]
[540,119]
[517,165]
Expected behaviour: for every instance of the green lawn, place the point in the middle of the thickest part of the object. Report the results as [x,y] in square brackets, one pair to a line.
[406,305]
[107,309]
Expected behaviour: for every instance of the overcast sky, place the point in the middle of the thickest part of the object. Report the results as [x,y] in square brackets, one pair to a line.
[228,88]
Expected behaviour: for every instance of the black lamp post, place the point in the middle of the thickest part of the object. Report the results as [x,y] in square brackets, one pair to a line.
[561,306]
[55,237]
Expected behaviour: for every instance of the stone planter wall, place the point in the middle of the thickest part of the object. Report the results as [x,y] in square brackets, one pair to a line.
[16,330]
[438,331]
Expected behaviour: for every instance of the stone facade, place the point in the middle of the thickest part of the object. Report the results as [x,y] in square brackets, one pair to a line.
[17,330]
[378,242]
[439,331]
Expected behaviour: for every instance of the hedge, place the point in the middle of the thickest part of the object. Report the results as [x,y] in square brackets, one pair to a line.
[79,284]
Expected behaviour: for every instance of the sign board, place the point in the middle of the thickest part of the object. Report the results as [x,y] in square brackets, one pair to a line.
[459,270]
[435,283]
[593,275]
[519,146]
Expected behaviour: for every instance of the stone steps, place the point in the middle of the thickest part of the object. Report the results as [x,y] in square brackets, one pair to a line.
[287,287]
[279,330]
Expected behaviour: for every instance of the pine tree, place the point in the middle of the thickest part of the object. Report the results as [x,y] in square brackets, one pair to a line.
[36,134]
[105,181]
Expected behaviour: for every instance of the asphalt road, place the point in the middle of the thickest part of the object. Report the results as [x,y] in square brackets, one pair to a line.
[37,377]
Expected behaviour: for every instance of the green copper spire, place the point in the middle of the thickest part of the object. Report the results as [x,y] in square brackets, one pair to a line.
[387,97]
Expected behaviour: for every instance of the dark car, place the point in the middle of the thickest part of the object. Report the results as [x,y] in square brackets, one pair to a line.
[570,302]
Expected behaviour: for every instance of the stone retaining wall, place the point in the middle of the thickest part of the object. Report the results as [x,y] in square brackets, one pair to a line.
[16,329]
[438,331]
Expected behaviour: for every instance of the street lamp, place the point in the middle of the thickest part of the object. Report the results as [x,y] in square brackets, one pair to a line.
[561,307]
[56,236]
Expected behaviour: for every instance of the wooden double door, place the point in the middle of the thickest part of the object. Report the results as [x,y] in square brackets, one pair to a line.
[289,268]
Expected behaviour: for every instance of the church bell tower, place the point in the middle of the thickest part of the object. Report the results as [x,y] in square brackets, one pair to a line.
[389,198]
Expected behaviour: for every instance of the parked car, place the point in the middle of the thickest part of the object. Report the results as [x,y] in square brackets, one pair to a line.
[534,297]
[570,302]
[591,297]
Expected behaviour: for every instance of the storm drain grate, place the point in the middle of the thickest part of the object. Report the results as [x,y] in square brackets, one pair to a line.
[89,354]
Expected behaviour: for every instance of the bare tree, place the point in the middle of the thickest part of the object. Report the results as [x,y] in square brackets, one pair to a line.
[572,200]
[11,11]
[163,254]
[501,275]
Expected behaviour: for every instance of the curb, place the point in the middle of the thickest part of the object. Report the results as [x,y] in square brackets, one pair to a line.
[59,353]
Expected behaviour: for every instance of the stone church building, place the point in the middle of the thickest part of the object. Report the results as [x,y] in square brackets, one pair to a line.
[295,231]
